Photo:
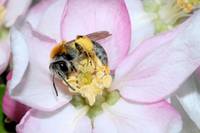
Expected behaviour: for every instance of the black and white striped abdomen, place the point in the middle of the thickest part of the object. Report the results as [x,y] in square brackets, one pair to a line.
[100,53]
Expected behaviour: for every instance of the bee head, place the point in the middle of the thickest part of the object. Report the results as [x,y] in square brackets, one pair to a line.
[59,67]
[62,59]
[63,64]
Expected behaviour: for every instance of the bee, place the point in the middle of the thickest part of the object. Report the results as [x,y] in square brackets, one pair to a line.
[66,56]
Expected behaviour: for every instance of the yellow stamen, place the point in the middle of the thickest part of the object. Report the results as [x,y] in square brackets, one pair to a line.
[85,78]
[185,5]
[2,13]
[107,81]
[90,81]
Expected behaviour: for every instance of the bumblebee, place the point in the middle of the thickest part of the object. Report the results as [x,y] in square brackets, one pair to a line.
[66,56]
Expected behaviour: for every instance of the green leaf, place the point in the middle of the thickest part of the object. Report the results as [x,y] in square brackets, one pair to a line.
[2,90]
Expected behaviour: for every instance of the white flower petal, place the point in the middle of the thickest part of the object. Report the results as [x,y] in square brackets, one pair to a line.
[20,60]
[124,117]
[189,97]
[160,65]
[141,23]
[46,17]
[15,8]
[31,83]
[188,125]
[65,120]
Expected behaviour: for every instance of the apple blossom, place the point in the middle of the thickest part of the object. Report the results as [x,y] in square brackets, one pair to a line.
[9,11]
[166,15]
[143,79]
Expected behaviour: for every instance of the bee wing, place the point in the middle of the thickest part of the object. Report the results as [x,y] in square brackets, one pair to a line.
[95,36]
[98,35]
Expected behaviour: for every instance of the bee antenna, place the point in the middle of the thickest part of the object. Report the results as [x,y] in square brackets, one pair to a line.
[54,85]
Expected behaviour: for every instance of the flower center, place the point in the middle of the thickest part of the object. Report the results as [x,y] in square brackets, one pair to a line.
[91,79]
[168,13]
[109,98]
[91,82]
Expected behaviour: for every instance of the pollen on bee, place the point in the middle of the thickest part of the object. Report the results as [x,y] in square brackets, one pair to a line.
[85,42]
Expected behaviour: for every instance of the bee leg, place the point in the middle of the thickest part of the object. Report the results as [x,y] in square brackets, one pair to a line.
[66,81]
[83,52]
[73,67]
[90,59]
[80,49]
[92,62]
[87,56]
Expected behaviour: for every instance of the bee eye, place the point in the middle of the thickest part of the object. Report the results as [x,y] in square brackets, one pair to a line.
[62,65]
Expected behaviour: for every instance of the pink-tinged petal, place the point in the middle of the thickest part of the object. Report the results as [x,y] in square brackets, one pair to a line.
[88,16]
[13,109]
[32,82]
[4,55]
[125,117]
[161,64]
[9,76]
[20,59]
[141,23]
[67,119]
[15,8]
[37,11]
[46,17]
[2,2]
[189,97]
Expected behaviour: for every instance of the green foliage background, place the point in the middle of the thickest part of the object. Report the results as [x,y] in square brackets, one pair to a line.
[2,90]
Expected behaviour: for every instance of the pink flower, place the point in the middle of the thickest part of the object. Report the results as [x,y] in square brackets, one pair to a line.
[141,23]
[9,11]
[187,97]
[13,9]
[144,78]
[13,109]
